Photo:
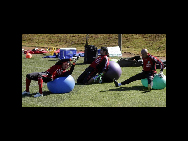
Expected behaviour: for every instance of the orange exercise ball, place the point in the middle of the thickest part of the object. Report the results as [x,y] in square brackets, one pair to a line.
[28,55]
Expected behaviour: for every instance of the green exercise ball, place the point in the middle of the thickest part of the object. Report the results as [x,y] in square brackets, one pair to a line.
[158,83]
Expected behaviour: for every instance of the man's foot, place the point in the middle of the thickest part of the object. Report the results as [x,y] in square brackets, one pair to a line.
[26,93]
[116,83]
[149,87]
[38,95]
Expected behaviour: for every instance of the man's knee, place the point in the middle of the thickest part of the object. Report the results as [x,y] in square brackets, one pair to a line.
[150,77]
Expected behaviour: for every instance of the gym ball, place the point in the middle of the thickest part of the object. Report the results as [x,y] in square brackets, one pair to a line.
[28,55]
[61,85]
[158,83]
[114,71]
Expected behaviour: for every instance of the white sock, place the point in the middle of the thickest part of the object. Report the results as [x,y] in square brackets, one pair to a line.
[119,84]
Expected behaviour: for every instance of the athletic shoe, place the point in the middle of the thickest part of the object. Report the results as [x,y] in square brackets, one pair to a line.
[116,83]
[38,95]
[26,93]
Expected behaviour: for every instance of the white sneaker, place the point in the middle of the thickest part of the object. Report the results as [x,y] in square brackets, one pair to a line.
[25,93]
[38,95]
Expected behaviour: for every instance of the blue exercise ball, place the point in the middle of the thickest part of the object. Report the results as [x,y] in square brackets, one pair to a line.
[158,82]
[61,85]
[114,71]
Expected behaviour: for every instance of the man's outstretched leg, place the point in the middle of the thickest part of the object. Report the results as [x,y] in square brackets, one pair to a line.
[139,76]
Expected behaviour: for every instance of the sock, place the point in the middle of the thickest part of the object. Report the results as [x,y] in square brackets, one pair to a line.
[28,81]
[40,82]
[119,84]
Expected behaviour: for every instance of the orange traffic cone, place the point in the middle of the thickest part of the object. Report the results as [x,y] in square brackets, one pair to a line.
[28,55]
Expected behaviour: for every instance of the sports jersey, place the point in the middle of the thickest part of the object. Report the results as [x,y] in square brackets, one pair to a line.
[101,63]
[149,63]
[57,70]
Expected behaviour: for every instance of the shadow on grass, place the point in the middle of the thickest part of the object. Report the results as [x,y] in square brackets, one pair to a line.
[79,84]
[45,93]
[138,88]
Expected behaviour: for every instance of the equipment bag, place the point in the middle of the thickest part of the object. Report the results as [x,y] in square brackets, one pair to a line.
[130,62]
[90,54]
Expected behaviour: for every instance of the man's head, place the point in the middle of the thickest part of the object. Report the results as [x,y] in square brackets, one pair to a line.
[65,65]
[144,53]
[104,51]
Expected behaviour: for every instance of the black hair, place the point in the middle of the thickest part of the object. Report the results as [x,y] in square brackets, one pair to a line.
[105,49]
[60,62]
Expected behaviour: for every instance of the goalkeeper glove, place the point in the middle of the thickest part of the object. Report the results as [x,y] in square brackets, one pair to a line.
[161,74]
[99,76]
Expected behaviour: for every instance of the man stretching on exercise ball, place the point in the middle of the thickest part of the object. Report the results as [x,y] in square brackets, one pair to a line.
[99,65]
[57,70]
[149,70]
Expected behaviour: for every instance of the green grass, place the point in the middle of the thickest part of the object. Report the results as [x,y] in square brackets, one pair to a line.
[134,43]
[95,95]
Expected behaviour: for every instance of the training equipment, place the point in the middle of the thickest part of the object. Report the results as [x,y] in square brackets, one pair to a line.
[158,82]
[61,85]
[90,54]
[28,55]
[113,72]
[79,54]
[114,51]
[135,61]
[53,51]
[67,53]
[35,51]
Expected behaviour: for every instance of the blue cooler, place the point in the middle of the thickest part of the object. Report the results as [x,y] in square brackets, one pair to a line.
[67,53]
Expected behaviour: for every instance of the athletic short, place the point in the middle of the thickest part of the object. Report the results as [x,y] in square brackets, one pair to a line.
[36,75]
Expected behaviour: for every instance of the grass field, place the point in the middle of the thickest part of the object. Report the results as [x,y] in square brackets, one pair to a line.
[95,95]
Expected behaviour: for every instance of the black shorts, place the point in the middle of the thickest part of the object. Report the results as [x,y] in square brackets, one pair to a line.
[36,75]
